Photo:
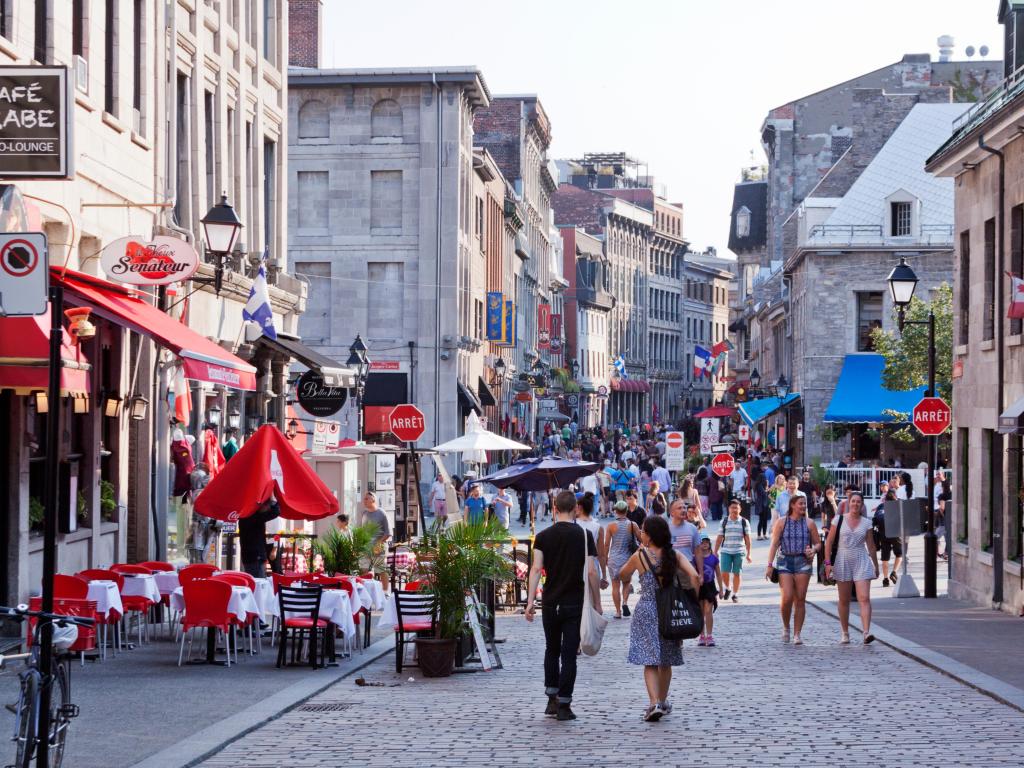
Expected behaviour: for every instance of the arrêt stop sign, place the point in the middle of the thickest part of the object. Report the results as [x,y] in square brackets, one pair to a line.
[932,416]
[407,423]
[723,464]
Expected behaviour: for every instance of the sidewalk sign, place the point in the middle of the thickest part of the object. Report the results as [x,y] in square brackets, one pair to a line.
[709,434]
[478,635]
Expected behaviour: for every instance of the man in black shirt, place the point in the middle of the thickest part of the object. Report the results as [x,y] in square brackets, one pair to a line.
[252,538]
[559,550]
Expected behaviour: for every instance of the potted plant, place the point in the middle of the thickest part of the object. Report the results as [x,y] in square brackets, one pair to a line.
[347,552]
[108,501]
[452,562]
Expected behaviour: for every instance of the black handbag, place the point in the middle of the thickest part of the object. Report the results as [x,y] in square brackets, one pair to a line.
[679,613]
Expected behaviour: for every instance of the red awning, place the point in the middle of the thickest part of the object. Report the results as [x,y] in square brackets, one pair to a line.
[203,360]
[25,357]
[630,385]
[717,412]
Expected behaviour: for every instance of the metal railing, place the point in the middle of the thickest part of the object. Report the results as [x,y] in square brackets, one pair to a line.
[868,479]
[870,234]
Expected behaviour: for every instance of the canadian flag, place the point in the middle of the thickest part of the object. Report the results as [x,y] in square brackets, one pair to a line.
[1016,310]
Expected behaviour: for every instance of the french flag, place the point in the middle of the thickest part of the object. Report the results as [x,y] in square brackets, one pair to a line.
[701,361]
[1016,310]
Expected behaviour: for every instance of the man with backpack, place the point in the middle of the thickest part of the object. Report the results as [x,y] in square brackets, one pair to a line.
[887,545]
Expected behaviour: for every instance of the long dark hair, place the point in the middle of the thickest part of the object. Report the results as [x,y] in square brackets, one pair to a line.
[585,503]
[656,528]
[684,489]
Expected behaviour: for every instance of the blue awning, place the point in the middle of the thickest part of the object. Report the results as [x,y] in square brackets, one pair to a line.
[860,397]
[754,411]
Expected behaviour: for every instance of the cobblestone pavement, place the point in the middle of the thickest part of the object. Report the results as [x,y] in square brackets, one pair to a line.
[751,701]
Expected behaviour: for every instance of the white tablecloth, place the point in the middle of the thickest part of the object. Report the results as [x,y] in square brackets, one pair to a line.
[376,592]
[139,585]
[166,581]
[107,598]
[241,604]
[265,597]
[389,615]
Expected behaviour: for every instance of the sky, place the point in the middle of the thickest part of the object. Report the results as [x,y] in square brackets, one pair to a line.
[681,84]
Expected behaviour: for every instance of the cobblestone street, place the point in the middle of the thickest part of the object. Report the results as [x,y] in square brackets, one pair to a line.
[749,701]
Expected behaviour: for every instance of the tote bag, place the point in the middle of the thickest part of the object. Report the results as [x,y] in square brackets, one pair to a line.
[679,613]
[593,624]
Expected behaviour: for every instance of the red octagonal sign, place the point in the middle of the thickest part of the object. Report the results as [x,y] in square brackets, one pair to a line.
[723,464]
[407,423]
[932,416]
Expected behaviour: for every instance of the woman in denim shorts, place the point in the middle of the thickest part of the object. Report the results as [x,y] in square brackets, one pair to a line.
[795,540]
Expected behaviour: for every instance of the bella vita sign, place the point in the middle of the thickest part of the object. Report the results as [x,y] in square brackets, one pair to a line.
[149,261]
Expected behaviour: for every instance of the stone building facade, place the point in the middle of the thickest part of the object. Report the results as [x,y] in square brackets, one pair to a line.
[987,511]
[381,183]
[707,280]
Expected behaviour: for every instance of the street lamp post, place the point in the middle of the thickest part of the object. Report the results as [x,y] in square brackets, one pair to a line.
[499,372]
[359,360]
[221,226]
[902,284]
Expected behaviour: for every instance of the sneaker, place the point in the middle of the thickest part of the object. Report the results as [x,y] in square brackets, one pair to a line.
[625,609]
[844,639]
[710,641]
[552,707]
[702,641]
[735,598]
[667,708]
[797,640]
[565,713]
[726,595]
[893,577]
[869,638]
[654,714]
[785,635]
[885,582]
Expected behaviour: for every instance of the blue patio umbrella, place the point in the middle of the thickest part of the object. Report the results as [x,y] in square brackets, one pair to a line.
[540,475]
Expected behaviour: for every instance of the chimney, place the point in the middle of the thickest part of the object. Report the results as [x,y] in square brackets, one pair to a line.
[305,33]
[945,47]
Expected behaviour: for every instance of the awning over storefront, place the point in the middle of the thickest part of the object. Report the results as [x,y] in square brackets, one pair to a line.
[717,412]
[630,385]
[487,398]
[334,373]
[754,411]
[203,360]
[25,357]
[1011,421]
[860,397]
[468,400]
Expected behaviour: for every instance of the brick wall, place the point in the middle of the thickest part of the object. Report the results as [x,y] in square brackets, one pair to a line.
[580,207]
[304,36]
[497,128]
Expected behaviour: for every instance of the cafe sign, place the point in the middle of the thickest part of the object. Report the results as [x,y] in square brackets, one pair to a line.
[149,261]
[35,123]
[316,398]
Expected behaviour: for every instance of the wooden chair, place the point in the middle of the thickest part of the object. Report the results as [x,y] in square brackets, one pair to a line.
[416,614]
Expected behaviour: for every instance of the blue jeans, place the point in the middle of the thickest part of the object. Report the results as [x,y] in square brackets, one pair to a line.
[717,510]
[792,564]
[561,641]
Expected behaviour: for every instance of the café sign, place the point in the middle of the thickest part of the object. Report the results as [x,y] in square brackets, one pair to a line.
[149,261]
[35,123]
[316,398]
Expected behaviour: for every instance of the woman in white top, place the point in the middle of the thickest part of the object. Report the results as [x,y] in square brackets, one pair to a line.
[855,566]
[584,507]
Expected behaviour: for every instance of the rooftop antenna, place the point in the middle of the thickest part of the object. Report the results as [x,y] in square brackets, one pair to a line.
[945,47]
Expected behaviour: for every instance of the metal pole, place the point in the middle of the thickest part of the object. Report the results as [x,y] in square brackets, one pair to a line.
[50,521]
[931,543]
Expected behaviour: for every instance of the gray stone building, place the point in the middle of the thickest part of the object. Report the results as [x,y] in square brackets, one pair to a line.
[706,282]
[380,183]
[986,519]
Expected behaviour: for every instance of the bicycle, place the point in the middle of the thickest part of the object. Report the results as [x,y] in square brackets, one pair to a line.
[32,681]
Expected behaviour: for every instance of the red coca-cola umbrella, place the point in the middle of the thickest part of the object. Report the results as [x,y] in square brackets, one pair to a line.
[267,464]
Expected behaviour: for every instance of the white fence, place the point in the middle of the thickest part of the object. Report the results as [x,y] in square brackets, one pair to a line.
[867,479]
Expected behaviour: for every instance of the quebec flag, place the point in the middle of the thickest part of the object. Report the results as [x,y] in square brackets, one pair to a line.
[257,309]
[620,366]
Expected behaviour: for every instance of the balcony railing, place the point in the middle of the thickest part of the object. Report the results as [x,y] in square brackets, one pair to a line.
[873,234]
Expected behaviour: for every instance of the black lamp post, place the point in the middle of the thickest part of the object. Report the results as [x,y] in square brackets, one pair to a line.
[359,360]
[221,226]
[781,387]
[902,284]
[499,373]
[755,379]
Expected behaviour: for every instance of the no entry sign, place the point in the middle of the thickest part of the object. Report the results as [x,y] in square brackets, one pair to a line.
[24,280]
[723,464]
[932,416]
[675,455]
[407,423]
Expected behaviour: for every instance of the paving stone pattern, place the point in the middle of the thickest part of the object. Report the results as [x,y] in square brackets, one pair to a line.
[749,701]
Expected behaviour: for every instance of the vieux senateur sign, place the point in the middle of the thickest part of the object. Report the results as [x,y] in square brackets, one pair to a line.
[35,123]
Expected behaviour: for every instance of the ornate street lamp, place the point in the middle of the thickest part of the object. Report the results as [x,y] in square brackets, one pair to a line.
[221,226]
[138,407]
[213,415]
[902,284]
[359,360]
[234,418]
[782,387]
[755,379]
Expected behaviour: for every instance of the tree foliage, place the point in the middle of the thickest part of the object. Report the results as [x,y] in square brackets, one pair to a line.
[906,354]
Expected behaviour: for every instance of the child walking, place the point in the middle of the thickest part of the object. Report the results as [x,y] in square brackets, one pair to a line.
[711,587]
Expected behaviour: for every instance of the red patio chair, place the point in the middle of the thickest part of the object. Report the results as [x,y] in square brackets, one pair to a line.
[286,579]
[242,578]
[415,586]
[70,587]
[206,607]
[130,568]
[112,619]
[157,565]
[197,571]
[239,579]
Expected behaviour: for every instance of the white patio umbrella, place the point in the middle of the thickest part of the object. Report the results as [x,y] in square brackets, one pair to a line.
[479,439]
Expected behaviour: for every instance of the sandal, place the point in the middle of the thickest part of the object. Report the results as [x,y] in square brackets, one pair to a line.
[797,640]
[785,635]
[869,639]
[844,638]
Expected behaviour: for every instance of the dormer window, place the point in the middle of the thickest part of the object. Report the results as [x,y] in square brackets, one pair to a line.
[743,222]
[902,219]
[1011,16]
[902,215]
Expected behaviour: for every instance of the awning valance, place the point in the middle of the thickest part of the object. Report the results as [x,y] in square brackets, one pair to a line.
[754,411]
[716,412]
[25,357]
[334,373]
[486,396]
[860,397]
[202,359]
[630,385]
[468,400]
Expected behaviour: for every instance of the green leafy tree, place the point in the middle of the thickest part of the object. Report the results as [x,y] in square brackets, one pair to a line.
[906,354]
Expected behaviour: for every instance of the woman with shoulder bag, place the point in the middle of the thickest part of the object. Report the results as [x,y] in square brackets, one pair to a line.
[795,539]
[658,565]
[656,501]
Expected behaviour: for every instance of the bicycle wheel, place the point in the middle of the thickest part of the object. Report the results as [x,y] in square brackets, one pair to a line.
[60,699]
[25,719]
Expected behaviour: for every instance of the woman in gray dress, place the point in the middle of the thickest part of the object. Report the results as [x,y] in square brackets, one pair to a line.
[855,566]
[618,538]
[657,563]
